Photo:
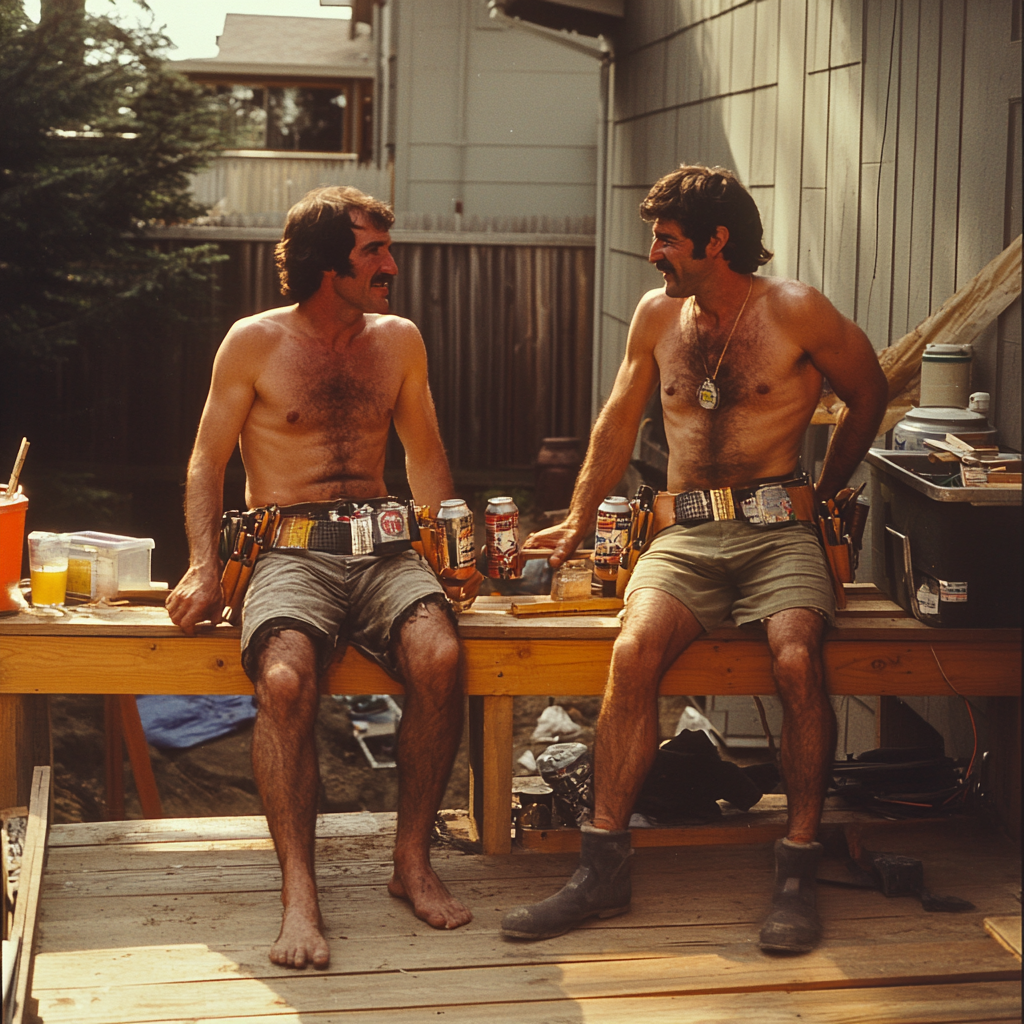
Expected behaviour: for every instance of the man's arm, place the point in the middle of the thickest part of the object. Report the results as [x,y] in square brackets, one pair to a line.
[198,597]
[842,352]
[614,434]
[426,464]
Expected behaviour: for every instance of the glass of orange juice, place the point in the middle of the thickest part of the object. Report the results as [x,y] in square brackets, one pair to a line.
[48,565]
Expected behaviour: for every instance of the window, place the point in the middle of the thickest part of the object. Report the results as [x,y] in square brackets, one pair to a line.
[324,119]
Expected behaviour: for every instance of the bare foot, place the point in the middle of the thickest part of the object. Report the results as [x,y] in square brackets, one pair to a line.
[431,901]
[301,941]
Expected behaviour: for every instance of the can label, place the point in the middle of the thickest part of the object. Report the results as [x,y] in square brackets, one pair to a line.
[610,538]
[458,542]
[361,526]
[502,522]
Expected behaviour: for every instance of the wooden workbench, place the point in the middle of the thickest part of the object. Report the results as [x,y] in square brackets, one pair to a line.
[874,650]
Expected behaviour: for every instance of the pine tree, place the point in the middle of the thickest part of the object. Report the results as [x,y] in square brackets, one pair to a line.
[98,138]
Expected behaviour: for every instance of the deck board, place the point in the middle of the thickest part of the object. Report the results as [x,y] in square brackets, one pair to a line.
[172,923]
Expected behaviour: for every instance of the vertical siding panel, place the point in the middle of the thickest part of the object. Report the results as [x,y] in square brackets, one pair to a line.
[919,298]
[812,237]
[847,32]
[741,126]
[792,26]
[815,142]
[741,63]
[947,152]
[763,137]
[819,30]
[841,199]
[878,148]
[906,142]
[766,45]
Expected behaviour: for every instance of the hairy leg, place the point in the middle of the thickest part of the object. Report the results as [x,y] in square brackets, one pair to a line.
[427,653]
[656,630]
[287,775]
[808,720]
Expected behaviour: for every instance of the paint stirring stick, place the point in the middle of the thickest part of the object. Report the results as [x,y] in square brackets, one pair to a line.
[12,484]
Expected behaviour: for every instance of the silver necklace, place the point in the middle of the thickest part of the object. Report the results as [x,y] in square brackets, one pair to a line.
[709,396]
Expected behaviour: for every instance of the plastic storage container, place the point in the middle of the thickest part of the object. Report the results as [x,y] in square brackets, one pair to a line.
[909,434]
[12,545]
[101,564]
[951,556]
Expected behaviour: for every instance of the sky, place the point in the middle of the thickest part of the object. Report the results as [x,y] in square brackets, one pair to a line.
[193,25]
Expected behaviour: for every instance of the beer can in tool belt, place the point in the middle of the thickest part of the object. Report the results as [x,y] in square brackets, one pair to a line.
[502,519]
[566,768]
[457,544]
[613,518]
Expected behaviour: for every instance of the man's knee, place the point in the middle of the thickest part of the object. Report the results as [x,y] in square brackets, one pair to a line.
[287,674]
[427,644]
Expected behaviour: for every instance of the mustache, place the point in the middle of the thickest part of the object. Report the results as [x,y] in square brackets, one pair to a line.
[384,279]
[664,266]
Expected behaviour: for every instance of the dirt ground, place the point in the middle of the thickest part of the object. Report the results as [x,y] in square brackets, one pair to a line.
[215,778]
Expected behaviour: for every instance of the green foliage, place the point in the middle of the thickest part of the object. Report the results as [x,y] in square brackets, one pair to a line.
[98,137]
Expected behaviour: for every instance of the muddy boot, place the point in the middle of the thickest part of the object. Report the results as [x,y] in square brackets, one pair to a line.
[793,926]
[601,887]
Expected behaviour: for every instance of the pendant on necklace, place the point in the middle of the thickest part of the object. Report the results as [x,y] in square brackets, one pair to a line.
[708,395]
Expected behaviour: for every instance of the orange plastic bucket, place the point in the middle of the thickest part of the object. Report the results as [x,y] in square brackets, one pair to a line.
[12,545]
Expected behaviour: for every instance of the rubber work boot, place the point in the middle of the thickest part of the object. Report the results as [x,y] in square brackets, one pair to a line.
[601,886]
[793,926]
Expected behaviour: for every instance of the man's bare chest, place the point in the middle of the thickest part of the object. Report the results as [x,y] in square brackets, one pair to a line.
[312,390]
[756,371]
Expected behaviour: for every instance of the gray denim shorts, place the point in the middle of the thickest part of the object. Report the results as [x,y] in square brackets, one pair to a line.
[722,568]
[334,599]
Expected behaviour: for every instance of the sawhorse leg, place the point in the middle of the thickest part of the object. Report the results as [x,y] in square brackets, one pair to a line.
[123,725]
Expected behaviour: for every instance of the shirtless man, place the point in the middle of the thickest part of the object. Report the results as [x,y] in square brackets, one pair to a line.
[308,391]
[756,350]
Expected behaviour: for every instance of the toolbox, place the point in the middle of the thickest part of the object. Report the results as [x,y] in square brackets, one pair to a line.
[948,555]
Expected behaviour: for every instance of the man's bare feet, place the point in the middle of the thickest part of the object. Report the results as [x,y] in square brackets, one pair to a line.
[431,901]
[301,941]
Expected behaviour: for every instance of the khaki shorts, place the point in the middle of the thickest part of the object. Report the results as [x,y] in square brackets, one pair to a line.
[722,568]
[356,599]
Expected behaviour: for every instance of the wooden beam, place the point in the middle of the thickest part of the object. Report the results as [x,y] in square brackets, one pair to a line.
[26,910]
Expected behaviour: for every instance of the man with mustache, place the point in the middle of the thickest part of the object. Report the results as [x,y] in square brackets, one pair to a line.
[740,362]
[308,392]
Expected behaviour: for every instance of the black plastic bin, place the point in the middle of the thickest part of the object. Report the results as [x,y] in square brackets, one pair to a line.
[951,556]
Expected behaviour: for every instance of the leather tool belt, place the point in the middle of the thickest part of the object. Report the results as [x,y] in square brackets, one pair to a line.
[763,503]
[374,526]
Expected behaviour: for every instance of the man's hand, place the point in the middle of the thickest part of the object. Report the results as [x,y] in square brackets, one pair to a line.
[461,592]
[562,538]
[196,598]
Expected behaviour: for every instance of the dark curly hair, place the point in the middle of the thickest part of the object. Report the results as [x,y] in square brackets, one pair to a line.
[318,236]
[699,199]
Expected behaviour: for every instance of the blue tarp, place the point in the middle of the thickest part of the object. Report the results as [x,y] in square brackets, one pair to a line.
[174,723]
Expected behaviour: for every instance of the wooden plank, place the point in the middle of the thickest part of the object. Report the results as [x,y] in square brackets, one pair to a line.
[743,667]
[1006,931]
[701,973]
[979,1003]
[30,886]
[241,826]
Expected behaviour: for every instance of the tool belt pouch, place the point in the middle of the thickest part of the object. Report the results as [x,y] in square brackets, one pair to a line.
[641,532]
[839,561]
[243,537]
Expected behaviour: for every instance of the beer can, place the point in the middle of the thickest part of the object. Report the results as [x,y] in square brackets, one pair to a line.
[457,545]
[613,518]
[502,519]
[566,768]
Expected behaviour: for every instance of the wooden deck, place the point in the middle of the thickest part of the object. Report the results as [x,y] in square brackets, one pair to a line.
[170,921]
